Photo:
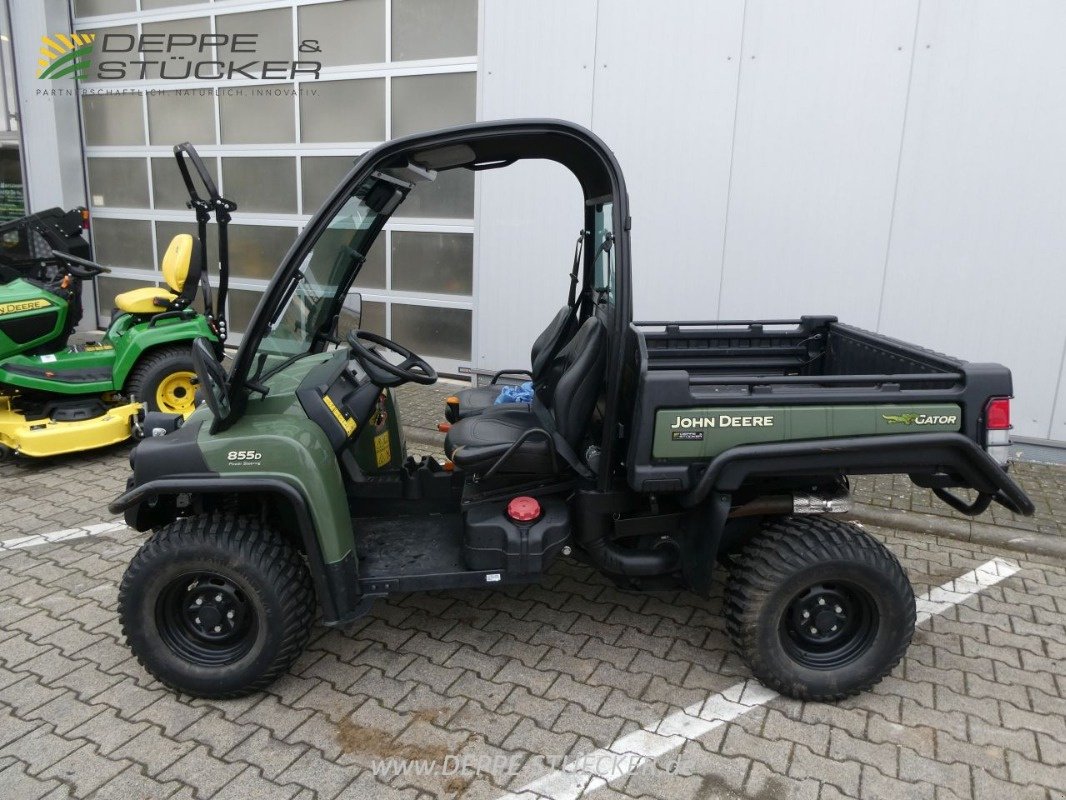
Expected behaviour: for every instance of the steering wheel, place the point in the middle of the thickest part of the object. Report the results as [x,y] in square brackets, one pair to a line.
[413,368]
[80,268]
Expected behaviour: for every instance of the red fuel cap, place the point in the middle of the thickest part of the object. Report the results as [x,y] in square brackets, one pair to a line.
[523,509]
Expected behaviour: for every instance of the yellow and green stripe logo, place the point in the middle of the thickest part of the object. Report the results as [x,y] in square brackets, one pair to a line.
[63,55]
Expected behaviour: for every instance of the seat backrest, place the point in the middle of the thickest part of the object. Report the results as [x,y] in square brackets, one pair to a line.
[178,260]
[551,340]
[581,366]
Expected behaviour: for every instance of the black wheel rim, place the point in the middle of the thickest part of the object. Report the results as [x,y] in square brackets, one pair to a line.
[829,625]
[206,619]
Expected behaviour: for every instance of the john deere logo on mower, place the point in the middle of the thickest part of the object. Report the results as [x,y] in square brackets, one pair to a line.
[63,55]
[920,419]
[23,305]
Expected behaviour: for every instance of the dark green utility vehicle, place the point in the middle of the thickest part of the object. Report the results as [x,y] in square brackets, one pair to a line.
[651,450]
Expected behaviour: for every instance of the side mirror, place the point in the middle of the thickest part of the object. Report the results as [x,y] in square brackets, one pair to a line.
[212,379]
[351,315]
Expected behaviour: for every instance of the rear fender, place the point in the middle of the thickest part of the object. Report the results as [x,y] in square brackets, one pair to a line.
[132,340]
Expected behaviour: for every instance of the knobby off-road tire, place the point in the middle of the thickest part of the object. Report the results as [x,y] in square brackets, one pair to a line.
[162,379]
[217,605]
[819,609]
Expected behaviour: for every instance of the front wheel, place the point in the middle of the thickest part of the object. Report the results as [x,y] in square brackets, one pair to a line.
[164,380]
[819,609]
[216,606]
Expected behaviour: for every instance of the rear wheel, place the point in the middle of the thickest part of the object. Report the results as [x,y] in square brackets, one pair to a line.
[217,605]
[818,608]
[163,380]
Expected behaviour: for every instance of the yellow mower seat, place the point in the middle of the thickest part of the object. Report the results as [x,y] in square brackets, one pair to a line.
[177,260]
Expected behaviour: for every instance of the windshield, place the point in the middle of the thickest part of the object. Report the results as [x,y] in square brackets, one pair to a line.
[318,293]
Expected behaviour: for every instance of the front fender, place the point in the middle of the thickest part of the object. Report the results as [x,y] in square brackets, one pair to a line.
[280,454]
[335,583]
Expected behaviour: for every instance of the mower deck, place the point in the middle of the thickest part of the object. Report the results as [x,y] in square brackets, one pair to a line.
[47,437]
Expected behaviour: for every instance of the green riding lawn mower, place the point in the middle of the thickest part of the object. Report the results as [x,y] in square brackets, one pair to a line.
[651,451]
[58,398]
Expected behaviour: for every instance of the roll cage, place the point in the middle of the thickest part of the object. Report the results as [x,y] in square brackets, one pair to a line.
[479,146]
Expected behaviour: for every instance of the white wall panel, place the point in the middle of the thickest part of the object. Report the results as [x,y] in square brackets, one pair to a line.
[665,98]
[979,242]
[820,115]
[536,61]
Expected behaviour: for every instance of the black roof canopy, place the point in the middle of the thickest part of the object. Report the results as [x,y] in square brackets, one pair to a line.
[487,144]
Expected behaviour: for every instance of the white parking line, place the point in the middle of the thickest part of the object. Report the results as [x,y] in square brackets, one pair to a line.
[601,767]
[62,536]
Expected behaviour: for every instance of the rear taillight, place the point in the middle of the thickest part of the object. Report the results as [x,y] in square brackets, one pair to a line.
[85,219]
[997,414]
[997,429]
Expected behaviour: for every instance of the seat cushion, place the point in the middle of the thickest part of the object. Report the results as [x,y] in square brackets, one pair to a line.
[477,442]
[142,301]
[474,401]
[178,259]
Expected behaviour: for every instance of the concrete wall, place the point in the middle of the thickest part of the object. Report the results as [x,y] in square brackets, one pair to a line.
[899,164]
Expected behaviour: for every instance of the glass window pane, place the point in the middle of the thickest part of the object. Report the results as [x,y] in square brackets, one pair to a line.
[451,196]
[175,117]
[260,184]
[425,102]
[344,111]
[106,290]
[429,331]
[168,189]
[123,243]
[273,31]
[253,118]
[147,5]
[320,175]
[118,183]
[350,32]
[373,318]
[372,274]
[256,250]
[165,231]
[112,119]
[441,29]
[90,8]
[242,304]
[438,263]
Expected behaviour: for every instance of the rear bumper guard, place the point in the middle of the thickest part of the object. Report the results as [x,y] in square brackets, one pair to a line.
[951,453]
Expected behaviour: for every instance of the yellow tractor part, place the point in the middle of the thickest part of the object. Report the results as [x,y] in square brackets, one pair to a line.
[43,437]
[176,393]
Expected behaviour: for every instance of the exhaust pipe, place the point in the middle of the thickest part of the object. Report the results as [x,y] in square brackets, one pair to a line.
[592,532]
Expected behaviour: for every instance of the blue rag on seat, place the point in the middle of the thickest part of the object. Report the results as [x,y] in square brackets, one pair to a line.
[516,394]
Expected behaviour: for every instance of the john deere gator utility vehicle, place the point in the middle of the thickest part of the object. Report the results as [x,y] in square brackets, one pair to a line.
[56,398]
[651,451]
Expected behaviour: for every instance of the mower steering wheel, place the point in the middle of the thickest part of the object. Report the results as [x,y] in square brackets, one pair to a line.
[413,368]
[81,268]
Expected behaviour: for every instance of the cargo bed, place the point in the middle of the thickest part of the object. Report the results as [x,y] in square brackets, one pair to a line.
[809,394]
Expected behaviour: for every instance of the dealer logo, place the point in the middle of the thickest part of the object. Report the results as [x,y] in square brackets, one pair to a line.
[169,57]
[63,55]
